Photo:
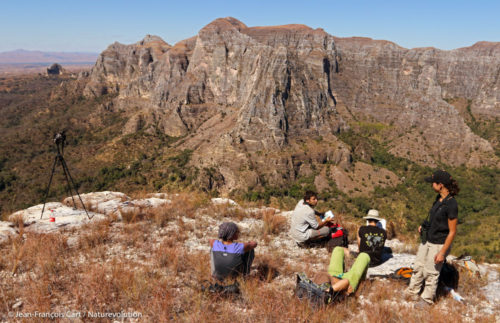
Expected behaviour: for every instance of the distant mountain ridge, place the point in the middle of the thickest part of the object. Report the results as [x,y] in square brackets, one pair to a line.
[22,56]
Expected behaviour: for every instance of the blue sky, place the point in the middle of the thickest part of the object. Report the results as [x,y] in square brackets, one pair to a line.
[90,25]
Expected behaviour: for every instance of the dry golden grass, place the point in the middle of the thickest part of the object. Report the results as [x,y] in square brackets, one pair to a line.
[94,236]
[351,226]
[134,214]
[273,223]
[146,266]
[269,266]
[221,211]
[181,205]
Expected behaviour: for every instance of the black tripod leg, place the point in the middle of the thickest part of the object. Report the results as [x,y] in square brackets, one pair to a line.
[74,186]
[66,172]
[48,186]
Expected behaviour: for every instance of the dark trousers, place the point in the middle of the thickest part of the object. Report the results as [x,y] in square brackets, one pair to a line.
[245,266]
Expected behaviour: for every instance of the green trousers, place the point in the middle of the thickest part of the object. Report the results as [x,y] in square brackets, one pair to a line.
[358,269]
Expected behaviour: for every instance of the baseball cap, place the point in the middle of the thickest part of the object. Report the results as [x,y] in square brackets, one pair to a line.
[439,176]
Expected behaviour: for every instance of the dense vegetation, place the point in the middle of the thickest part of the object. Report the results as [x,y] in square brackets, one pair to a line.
[101,158]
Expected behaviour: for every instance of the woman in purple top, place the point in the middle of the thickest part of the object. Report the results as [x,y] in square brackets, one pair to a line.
[227,257]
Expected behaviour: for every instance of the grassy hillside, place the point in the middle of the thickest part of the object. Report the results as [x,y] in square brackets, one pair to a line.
[101,158]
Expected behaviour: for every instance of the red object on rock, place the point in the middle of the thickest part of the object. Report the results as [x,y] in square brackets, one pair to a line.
[52,219]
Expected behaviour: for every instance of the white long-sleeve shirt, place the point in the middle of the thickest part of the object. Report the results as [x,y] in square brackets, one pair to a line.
[303,220]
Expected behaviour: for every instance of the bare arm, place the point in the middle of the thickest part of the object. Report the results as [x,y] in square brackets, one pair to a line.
[211,241]
[323,223]
[249,246]
[452,225]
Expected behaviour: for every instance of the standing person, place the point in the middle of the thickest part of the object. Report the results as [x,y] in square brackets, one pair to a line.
[229,258]
[437,232]
[371,238]
[306,225]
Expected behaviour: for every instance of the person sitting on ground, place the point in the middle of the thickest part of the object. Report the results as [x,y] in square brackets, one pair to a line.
[371,238]
[306,225]
[227,257]
[344,282]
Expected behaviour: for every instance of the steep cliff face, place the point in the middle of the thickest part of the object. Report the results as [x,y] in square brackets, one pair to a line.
[233,90]
[246,99]
[277,78]
[408,89]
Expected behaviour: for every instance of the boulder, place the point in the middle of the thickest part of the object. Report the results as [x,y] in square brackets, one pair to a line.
[6,230]
[65,217]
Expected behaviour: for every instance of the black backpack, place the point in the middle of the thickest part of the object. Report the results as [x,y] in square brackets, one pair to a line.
[317,295]
[449,276]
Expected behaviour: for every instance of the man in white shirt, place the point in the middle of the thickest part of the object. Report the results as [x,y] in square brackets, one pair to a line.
[306,225]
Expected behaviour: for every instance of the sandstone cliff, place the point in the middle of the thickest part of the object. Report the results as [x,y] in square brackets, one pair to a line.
[409,89]
[249,100]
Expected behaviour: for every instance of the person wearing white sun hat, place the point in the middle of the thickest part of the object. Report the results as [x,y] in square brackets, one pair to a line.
[371,238]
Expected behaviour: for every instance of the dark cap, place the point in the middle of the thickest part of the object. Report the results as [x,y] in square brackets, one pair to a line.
[439,176]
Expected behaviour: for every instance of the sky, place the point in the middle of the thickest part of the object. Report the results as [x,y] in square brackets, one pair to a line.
[91,25]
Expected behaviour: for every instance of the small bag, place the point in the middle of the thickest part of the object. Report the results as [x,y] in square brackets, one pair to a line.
[424,230]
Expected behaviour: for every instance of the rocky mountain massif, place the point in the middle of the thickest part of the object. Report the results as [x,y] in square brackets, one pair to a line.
[267,105]
[261,114]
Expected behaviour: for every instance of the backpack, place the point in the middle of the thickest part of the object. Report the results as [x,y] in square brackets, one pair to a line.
[337,231]
[448,276]
[316,295]
[339,237]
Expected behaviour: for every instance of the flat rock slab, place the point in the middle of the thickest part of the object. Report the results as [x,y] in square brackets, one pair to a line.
[114,203]
[223,200]
[105,202]
[391,263]
[492,289]
[64,217]
[6,230]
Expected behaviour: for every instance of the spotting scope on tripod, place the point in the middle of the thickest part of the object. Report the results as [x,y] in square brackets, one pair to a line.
[59,141]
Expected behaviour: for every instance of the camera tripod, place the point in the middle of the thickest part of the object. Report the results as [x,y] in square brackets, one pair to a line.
[59,139]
